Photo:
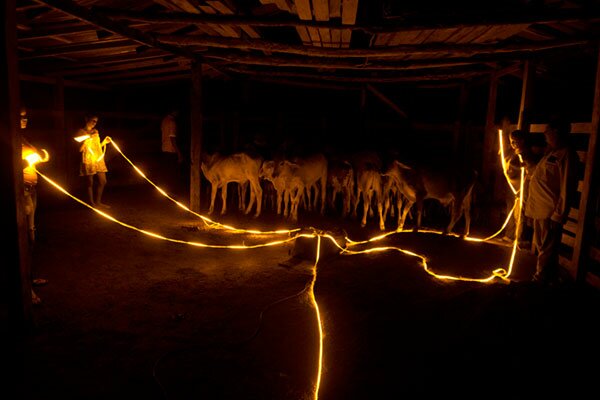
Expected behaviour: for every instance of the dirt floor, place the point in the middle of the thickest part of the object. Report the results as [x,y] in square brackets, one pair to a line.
[125,315]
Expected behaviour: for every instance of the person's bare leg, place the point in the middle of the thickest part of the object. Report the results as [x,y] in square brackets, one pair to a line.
[89,179]
[100,190]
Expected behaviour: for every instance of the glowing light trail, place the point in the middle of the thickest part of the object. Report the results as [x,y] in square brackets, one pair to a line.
[319,323]
[500,273]
[207,221]
[158,236]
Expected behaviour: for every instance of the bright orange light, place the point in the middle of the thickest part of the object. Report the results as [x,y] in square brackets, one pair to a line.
[34,158]
[81,138]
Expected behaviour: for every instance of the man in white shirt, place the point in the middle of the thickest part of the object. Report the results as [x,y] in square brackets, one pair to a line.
[552,187]
[168,127]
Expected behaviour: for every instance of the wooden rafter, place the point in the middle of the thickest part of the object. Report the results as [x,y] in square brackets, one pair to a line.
[563,16]
[456,50]
[102,22]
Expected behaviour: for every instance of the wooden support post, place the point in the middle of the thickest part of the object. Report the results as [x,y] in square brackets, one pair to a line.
[458,136]
[526,96]
[591,178]
[15,277]
[489,159]
[196,137]
[63,140]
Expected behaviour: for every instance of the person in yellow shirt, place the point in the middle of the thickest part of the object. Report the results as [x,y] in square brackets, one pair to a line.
[92,159]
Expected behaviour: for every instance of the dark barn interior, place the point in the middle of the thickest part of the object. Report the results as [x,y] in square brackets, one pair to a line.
[144,299]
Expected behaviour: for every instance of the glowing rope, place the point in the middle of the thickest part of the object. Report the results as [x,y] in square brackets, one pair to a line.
[207,221]
[158,236]
[497,273]
[319,322]
[505,163]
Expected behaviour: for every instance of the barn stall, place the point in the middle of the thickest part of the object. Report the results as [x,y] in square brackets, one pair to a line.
[151,298]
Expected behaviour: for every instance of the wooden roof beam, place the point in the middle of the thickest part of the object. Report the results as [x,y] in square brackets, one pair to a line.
[362,79]
[73,9]
[563,15]
[78,48]
[392,51]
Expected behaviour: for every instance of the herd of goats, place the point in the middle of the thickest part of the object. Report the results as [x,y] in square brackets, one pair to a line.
[359,179]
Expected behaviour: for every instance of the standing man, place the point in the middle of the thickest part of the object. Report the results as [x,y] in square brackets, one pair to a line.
[170,147]
[168,127]
[552,188]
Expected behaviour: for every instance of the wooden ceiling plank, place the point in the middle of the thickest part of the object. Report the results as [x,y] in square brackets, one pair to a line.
[335,8]
[404,38]
[225,30]
[74,10]
[321,13]
[474,34]
[223,9]
[349,10]
[304,11]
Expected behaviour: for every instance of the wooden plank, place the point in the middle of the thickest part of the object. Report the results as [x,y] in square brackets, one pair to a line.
[526,95]
[349,10]
[570,227]
[223,9]
[581,127]
[404,38]
[441,35]
[321,13]
[474,34]
[568,240]
[304,12]
[336,37]
[574,213]
[335,8]
[185,5]
[225,30]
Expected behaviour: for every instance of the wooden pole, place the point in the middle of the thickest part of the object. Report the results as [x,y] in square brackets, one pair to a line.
[526,96]
[63,140]
[196,137]
[591,177]
[459,131]
[489,159]
[15,270]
